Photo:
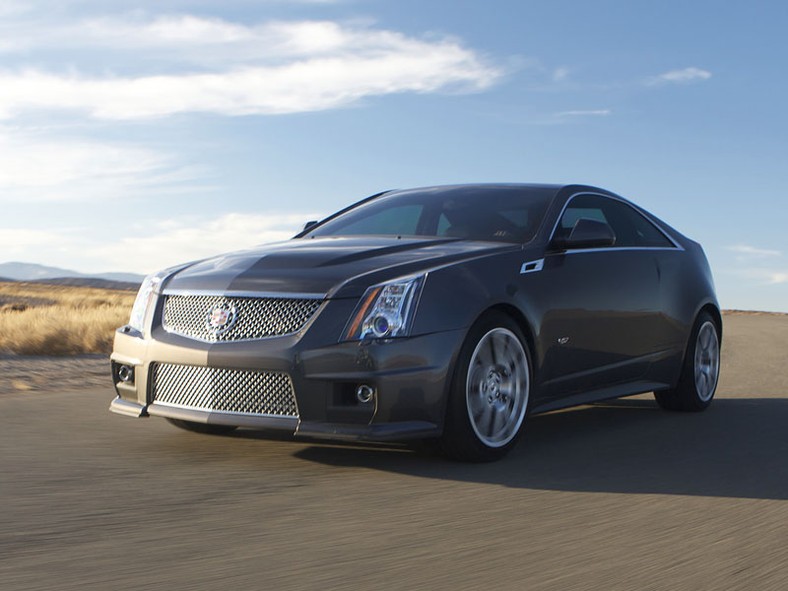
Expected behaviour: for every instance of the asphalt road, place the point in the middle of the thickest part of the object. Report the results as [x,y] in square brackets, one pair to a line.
[612,496]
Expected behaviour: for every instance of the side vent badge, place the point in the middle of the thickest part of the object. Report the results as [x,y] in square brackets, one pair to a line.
[532,267]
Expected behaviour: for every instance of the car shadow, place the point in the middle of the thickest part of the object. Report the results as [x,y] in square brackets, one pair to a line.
[737,448]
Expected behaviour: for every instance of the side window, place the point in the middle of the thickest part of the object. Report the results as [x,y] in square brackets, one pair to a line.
[645,233]
[443,225]
[630,227]
[572,214]
[495,219]
[588,207]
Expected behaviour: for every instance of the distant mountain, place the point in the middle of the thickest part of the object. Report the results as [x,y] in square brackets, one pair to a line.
[124,277]
[31,272]
[91,282]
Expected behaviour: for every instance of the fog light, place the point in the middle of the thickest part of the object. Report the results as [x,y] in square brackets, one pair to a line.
[364,393]
[126,373]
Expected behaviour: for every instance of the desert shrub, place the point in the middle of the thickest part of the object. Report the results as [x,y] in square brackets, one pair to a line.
[37,319]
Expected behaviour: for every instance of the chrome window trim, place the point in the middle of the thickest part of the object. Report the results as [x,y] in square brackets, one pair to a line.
[676,245]
[616,249]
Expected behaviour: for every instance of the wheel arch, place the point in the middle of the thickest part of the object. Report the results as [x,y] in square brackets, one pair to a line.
[715,314]
[456,420]
[522,323]
[712,310]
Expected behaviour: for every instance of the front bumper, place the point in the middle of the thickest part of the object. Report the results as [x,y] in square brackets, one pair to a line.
[409,376]
[396,431]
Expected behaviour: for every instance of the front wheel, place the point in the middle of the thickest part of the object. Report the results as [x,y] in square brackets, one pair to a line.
[700,372]
[490,391]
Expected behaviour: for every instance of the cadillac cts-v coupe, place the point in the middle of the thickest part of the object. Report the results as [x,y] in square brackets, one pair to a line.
[446,313]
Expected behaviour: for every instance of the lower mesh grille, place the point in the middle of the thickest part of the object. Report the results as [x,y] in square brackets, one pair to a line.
[224,390]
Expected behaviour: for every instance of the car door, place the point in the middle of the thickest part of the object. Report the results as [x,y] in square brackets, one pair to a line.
[601,306]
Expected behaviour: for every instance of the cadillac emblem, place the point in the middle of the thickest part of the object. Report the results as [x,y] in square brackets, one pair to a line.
[221,318]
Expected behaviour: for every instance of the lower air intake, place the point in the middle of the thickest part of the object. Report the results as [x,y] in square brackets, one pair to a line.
[260,393]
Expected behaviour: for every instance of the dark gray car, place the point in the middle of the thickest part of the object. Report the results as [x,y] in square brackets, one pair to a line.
[443,312]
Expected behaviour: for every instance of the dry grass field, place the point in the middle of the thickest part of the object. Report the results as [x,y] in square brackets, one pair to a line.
[59,320]
[39,319]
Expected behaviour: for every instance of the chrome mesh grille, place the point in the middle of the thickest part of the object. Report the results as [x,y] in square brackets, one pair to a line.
[250,318]
[224,390]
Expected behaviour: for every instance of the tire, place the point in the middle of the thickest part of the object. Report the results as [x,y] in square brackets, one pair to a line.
[490,391]
[700,371]
[203,427]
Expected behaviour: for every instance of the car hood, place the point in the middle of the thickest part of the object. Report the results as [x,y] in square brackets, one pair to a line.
[332,266]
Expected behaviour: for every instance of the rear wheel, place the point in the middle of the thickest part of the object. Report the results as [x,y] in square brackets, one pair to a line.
[203,427]
[489,393]
[700,372]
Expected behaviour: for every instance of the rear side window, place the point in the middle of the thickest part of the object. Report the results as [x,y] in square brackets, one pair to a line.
[631,228]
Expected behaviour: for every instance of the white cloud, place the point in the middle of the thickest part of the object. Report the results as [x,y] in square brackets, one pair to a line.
[176,241]
[761,266]
[778,277]
[312,85]
[154,245]
[685,75]
[760,276]
[12,8]
[587,113]
[751,251]
[264,41]
[17,242]
[36,168]
[560,74]
[271,68]
[179,35]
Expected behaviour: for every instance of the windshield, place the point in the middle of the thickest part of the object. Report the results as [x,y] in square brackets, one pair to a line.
[498,213]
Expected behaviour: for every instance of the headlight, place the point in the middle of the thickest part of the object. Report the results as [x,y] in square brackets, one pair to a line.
[146,294]
[386,310]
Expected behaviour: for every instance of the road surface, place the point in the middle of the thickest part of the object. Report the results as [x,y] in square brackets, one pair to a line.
[611,496]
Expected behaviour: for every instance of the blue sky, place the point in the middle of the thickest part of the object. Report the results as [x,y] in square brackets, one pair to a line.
[137,135]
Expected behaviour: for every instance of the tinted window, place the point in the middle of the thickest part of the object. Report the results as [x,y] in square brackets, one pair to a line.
[630,227]
[508,214]
[572,214]
[394,220]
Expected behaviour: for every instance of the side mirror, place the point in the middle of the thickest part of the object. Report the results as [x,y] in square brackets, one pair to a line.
[587,233]
[309,224]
